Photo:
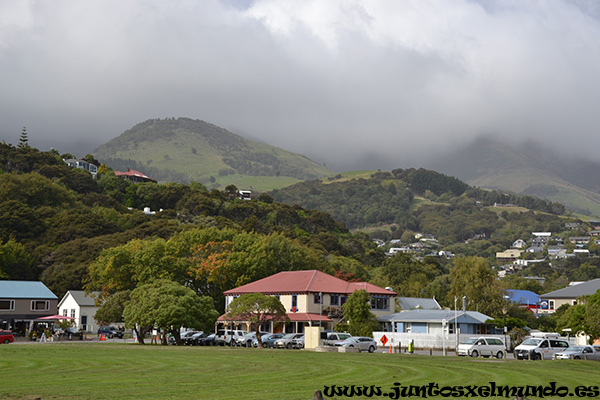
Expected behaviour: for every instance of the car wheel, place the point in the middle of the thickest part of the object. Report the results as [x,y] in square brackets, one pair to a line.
[6,341]
[288,346]
[474,353]
[574,357]
[371,349]
[265,345]
[500,354]
[536,356]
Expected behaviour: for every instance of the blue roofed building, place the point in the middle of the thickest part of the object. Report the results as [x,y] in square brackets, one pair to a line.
[524,298]
[23,302]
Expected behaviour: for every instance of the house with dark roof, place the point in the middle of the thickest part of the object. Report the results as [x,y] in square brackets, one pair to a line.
[134,176]
[77,304]
[311,298]
[570,295]
[23,302]
[414,303]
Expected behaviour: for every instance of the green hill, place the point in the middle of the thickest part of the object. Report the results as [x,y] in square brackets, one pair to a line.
[184,150]
[528,169]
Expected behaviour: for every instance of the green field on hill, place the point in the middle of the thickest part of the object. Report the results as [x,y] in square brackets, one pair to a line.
[131,371]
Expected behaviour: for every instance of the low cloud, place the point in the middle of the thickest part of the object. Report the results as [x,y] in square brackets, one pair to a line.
[349,83]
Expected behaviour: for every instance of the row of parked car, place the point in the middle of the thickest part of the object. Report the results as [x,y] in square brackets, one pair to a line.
[229,337]
[540,346]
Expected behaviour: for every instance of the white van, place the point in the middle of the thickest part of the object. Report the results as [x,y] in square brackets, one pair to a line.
[540,345]
[482,346]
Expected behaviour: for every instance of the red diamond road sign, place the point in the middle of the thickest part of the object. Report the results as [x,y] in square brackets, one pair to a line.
[384,340]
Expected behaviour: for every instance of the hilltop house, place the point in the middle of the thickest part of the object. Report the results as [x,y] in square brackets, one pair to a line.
[311,298]
[82,164]
[134,176]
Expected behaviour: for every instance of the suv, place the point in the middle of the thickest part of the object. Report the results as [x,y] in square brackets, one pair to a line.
[6,337]
[482,346]
[540,346]
[333,337]
[228,337]
[110,332]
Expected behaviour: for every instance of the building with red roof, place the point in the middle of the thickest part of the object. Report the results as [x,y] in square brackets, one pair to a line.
[311,298]
[134,176]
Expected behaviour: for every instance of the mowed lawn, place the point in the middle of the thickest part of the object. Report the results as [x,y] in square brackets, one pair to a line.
[131,371]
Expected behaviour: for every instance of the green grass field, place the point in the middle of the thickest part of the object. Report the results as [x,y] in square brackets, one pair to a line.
[131,371]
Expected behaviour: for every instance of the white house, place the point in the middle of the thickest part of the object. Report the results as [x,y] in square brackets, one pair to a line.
[76,304]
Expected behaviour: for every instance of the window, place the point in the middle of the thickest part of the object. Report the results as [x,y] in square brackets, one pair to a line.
[317,298]
[334,299]
[7,305]
[551,304]
[65,311]
[294,303]
[40,305]
[277,297]
[343,300]
[72,313]
[380,303]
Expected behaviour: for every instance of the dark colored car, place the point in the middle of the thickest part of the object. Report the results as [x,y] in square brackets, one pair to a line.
[207,341]
[6,337]
[110,332]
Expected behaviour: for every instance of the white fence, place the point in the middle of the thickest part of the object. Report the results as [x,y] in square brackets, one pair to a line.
[435,341]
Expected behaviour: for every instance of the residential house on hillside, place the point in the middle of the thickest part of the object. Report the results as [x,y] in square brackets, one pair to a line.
[519,244]
[23,302]
[311,298]
[134,176]
[570,295]
[78,305]
[82,164]
[508,255]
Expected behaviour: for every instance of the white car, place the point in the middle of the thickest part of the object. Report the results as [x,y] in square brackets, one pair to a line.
[580,353]
[482,346]
[359,342]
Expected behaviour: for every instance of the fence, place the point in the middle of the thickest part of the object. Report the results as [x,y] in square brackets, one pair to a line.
[434,341]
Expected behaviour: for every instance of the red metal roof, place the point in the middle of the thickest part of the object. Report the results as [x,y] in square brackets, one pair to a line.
[311,281]
[133,172]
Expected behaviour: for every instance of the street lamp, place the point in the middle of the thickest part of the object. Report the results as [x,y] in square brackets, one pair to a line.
[504,311]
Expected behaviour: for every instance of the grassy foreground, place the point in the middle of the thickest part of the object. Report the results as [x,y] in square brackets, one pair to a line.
[129,371]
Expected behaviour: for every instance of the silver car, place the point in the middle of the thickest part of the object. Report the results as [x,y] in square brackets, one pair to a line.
[580,353]
[288,341]
[359,342]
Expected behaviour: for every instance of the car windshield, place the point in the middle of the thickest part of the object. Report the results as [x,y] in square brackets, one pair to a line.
[469,341]
[576,348]
[289,336]
[532,342]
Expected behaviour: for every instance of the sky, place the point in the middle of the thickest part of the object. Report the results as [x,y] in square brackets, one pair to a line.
[351,84]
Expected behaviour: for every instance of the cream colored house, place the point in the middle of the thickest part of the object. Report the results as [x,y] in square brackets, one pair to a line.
[570,295]
[311,298]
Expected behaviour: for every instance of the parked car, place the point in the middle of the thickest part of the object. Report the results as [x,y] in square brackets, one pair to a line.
[333,337]
[110,332]
[6,337]
[246,340]
[267,340]
[227,337]
[298,343]
[482,346]
[287,341]
[538,347]
[360,342]
[192,340]
[207,341]
[580,353]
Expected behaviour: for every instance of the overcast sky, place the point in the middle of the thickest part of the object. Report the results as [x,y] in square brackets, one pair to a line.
[353,84]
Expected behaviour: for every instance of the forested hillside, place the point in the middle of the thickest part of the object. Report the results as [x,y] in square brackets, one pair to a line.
[60,225]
